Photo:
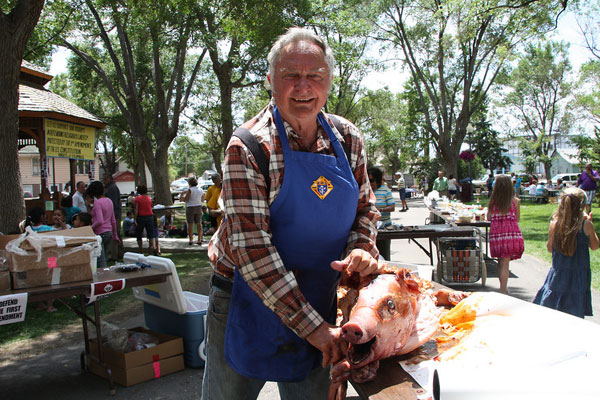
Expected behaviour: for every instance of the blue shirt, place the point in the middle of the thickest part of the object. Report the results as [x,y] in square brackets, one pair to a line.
[384,198]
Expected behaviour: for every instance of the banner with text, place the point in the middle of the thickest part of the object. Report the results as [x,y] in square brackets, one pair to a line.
[69,140]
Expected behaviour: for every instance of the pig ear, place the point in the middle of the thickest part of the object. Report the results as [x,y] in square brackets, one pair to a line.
[412,284]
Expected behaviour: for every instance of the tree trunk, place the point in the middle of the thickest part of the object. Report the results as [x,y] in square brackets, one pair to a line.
[548,169]
[15,29]
[160,177]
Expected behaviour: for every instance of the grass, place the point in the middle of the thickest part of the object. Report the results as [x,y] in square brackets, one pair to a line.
[38,323]
[534,223]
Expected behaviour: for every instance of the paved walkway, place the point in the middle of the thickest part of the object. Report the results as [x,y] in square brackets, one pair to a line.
[57,375]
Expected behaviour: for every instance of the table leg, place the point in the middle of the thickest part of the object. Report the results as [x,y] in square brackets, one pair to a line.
[423,248]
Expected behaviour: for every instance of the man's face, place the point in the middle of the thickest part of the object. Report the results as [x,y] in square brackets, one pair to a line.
[81,187]
[301,82]
[440,173]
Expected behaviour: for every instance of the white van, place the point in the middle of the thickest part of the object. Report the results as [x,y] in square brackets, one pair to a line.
[569,179]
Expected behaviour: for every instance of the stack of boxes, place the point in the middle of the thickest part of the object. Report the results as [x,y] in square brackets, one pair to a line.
[49,258]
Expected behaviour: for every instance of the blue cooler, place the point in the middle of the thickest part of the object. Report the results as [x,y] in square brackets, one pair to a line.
[189,326]
[169,310]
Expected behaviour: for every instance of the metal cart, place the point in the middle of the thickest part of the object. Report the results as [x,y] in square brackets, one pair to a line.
[460,260]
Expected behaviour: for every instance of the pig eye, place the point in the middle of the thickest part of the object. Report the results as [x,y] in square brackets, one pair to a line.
[391,304]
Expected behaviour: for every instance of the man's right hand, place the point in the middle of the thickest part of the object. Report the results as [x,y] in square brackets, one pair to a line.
[328,339]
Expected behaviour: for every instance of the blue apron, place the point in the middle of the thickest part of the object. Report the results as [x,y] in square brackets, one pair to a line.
[310,222]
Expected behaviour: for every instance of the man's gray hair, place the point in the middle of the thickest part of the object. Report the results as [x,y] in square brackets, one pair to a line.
[296,34]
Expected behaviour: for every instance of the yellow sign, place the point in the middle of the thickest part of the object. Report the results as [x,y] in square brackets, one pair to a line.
[69,140]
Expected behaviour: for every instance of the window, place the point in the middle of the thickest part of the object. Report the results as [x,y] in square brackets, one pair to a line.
[83,167]
[35,166]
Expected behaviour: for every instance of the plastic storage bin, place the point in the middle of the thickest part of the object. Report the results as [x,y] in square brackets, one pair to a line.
[189,326]
[169,310]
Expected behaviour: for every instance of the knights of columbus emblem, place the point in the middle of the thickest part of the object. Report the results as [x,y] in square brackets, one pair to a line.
[322,187]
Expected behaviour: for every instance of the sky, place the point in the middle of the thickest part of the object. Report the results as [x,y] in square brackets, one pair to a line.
[567,31]
[395,77]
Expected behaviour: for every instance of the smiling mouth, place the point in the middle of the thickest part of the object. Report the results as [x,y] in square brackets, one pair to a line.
[357,353]
[303,100]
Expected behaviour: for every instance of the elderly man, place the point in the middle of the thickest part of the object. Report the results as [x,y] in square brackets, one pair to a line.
[78,199]
[285,236]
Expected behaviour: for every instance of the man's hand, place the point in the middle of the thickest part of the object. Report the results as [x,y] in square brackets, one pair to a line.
[358,261]
[328,339]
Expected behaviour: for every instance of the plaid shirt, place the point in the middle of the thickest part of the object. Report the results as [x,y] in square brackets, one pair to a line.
[244,237]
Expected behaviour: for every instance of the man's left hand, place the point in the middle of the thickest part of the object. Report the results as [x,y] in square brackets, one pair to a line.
[358,261]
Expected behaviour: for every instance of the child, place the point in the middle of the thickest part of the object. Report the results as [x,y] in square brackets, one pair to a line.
[67,204]
[82,219]
[59,217]
[206,222]
[506,240]
[571,232]
[129,225]
[36,220]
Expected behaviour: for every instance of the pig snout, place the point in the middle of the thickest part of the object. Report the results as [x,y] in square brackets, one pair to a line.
[361,327]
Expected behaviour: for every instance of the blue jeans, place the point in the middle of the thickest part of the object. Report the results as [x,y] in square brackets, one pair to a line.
[220,382]
[106,239]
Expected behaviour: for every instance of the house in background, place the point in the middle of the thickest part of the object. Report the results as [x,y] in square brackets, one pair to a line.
[58,172]
[125,178]
[55,142]
[565,161]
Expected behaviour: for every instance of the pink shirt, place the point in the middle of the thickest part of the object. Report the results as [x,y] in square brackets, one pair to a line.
[103,217]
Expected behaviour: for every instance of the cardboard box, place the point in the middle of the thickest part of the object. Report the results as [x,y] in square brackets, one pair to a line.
[51,276]
[65,257]
[57,257]
[139,366]
[4,281]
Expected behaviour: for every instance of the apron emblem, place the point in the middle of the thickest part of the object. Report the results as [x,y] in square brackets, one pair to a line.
[322,187]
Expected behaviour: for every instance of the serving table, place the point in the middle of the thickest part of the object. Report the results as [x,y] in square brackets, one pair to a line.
[82,289]
[448,216]
[430,232]
[516,350]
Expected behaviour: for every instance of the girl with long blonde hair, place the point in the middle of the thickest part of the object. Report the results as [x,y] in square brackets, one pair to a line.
[506,240]
[570,236]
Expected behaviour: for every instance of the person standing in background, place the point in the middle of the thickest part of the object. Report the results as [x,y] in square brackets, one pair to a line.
[193,198]
[517,184]
[384,201]
[78,197]
[588,182]
[571,235]
[103,218]
[489,184]
[452,187]
[441,184]
[506,240]
[111,190]
[144,219]
[212,201]
[401,190]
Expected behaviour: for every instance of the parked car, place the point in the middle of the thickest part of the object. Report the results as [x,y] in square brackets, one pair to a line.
[178,186]
[569,179]
[480,183]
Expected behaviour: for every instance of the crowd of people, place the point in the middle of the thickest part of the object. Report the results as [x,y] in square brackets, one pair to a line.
[99,205]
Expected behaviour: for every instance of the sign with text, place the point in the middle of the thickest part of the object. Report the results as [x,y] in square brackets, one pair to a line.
[12,308]
[69,140]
